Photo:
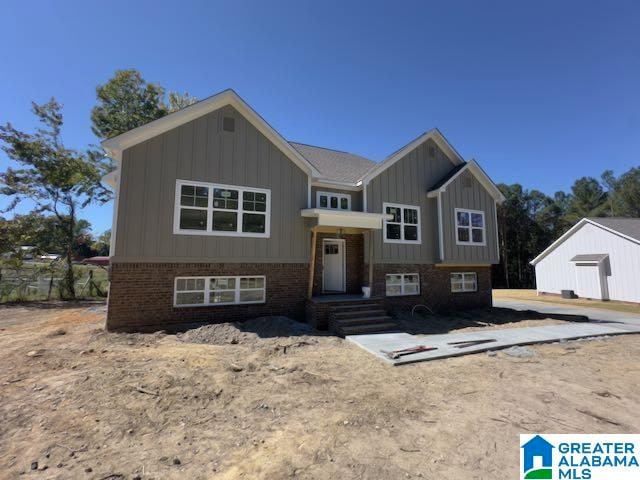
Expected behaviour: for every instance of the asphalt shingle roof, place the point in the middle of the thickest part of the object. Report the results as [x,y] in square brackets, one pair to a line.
[448,176]
[626,226]
[335,164]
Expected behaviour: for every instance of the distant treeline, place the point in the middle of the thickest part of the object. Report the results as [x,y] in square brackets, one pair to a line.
[530,220]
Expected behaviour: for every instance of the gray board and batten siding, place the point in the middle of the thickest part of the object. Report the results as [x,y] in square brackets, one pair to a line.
[467,192]
[201,150]
[406,182]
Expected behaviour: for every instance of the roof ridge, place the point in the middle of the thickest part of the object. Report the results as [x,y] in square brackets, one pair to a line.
[330,149]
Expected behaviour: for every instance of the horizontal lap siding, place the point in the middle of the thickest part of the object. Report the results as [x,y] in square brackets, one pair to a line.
[201,151]
[471,195]
[407,182]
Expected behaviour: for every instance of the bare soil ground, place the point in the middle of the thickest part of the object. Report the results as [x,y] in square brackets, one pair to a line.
[528,294]
[84,403]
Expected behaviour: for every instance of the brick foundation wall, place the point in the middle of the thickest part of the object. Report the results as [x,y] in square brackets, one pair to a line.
[354,256]
[435,287]
[141,294]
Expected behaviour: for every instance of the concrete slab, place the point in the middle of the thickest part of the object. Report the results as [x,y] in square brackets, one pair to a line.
[376,343]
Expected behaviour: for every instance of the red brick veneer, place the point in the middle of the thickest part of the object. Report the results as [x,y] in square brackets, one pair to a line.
[435,287]
[354,245]
[141,294]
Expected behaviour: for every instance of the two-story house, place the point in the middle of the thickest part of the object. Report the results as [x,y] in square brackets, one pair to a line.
[217,217]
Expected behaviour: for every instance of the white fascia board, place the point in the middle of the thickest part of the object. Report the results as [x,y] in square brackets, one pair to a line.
[572,230]
[479,174]
[433,134]
[116,145]
[111,179]
[346,219]
[562,238]
[336,184]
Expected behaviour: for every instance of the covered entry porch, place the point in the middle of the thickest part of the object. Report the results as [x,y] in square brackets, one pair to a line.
[338,269]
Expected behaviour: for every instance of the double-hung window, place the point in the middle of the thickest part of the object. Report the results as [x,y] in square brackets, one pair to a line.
[334,201]
[212,291]
[215,209]
[402,284]
[470,227]
[404,226]
[464,282]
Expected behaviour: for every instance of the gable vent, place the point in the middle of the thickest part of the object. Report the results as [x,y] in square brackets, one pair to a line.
[466,180]
[432,151]
[229,124]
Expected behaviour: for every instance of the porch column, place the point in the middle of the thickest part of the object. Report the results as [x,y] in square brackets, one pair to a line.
[371,260]
[312,262]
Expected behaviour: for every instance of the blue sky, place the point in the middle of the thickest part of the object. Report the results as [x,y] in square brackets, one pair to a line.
[538,92]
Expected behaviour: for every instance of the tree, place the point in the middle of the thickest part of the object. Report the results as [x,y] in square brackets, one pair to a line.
[624,192]
[178,101]
[58,180]
[127,101]
[588,199]
[102,243]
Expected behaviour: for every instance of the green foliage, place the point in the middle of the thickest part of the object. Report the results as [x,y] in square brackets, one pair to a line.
[58,180]
[127,101]
[588,199]
[178,101]
[101,244]
[624,193]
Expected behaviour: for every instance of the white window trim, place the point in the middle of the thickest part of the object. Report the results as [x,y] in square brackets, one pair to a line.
[208,232]
[464,274]
[402,224]
[207,291]
[484,227]
[339,196]
[402,285]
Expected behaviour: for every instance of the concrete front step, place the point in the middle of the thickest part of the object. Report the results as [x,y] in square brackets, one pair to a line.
[370,328]
[357,306]
[349,322]
[358,313]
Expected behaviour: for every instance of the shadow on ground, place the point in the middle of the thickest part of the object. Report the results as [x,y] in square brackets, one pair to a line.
[429,324]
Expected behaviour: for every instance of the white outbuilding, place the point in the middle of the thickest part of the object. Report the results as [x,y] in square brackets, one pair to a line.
[598,258]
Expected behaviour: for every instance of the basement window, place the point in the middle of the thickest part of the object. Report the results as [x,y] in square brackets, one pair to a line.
[213,291]
[399,284]
[464,282]
[223,210]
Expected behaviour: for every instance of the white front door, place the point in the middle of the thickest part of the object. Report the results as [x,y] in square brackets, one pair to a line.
[333,276]
[589,281]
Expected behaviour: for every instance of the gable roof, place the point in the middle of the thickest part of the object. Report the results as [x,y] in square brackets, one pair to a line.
[477,172]
[433,134]
[628,228]
[335,164]
[115,145]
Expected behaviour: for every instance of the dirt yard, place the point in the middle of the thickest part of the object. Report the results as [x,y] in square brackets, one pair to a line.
[528,294]
[83,403]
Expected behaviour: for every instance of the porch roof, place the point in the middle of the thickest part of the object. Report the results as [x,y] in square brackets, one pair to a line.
[346,218]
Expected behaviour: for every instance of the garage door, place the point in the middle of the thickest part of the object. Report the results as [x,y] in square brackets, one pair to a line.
[589,281]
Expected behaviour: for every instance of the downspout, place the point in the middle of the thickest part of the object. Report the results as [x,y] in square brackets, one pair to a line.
[440,227]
